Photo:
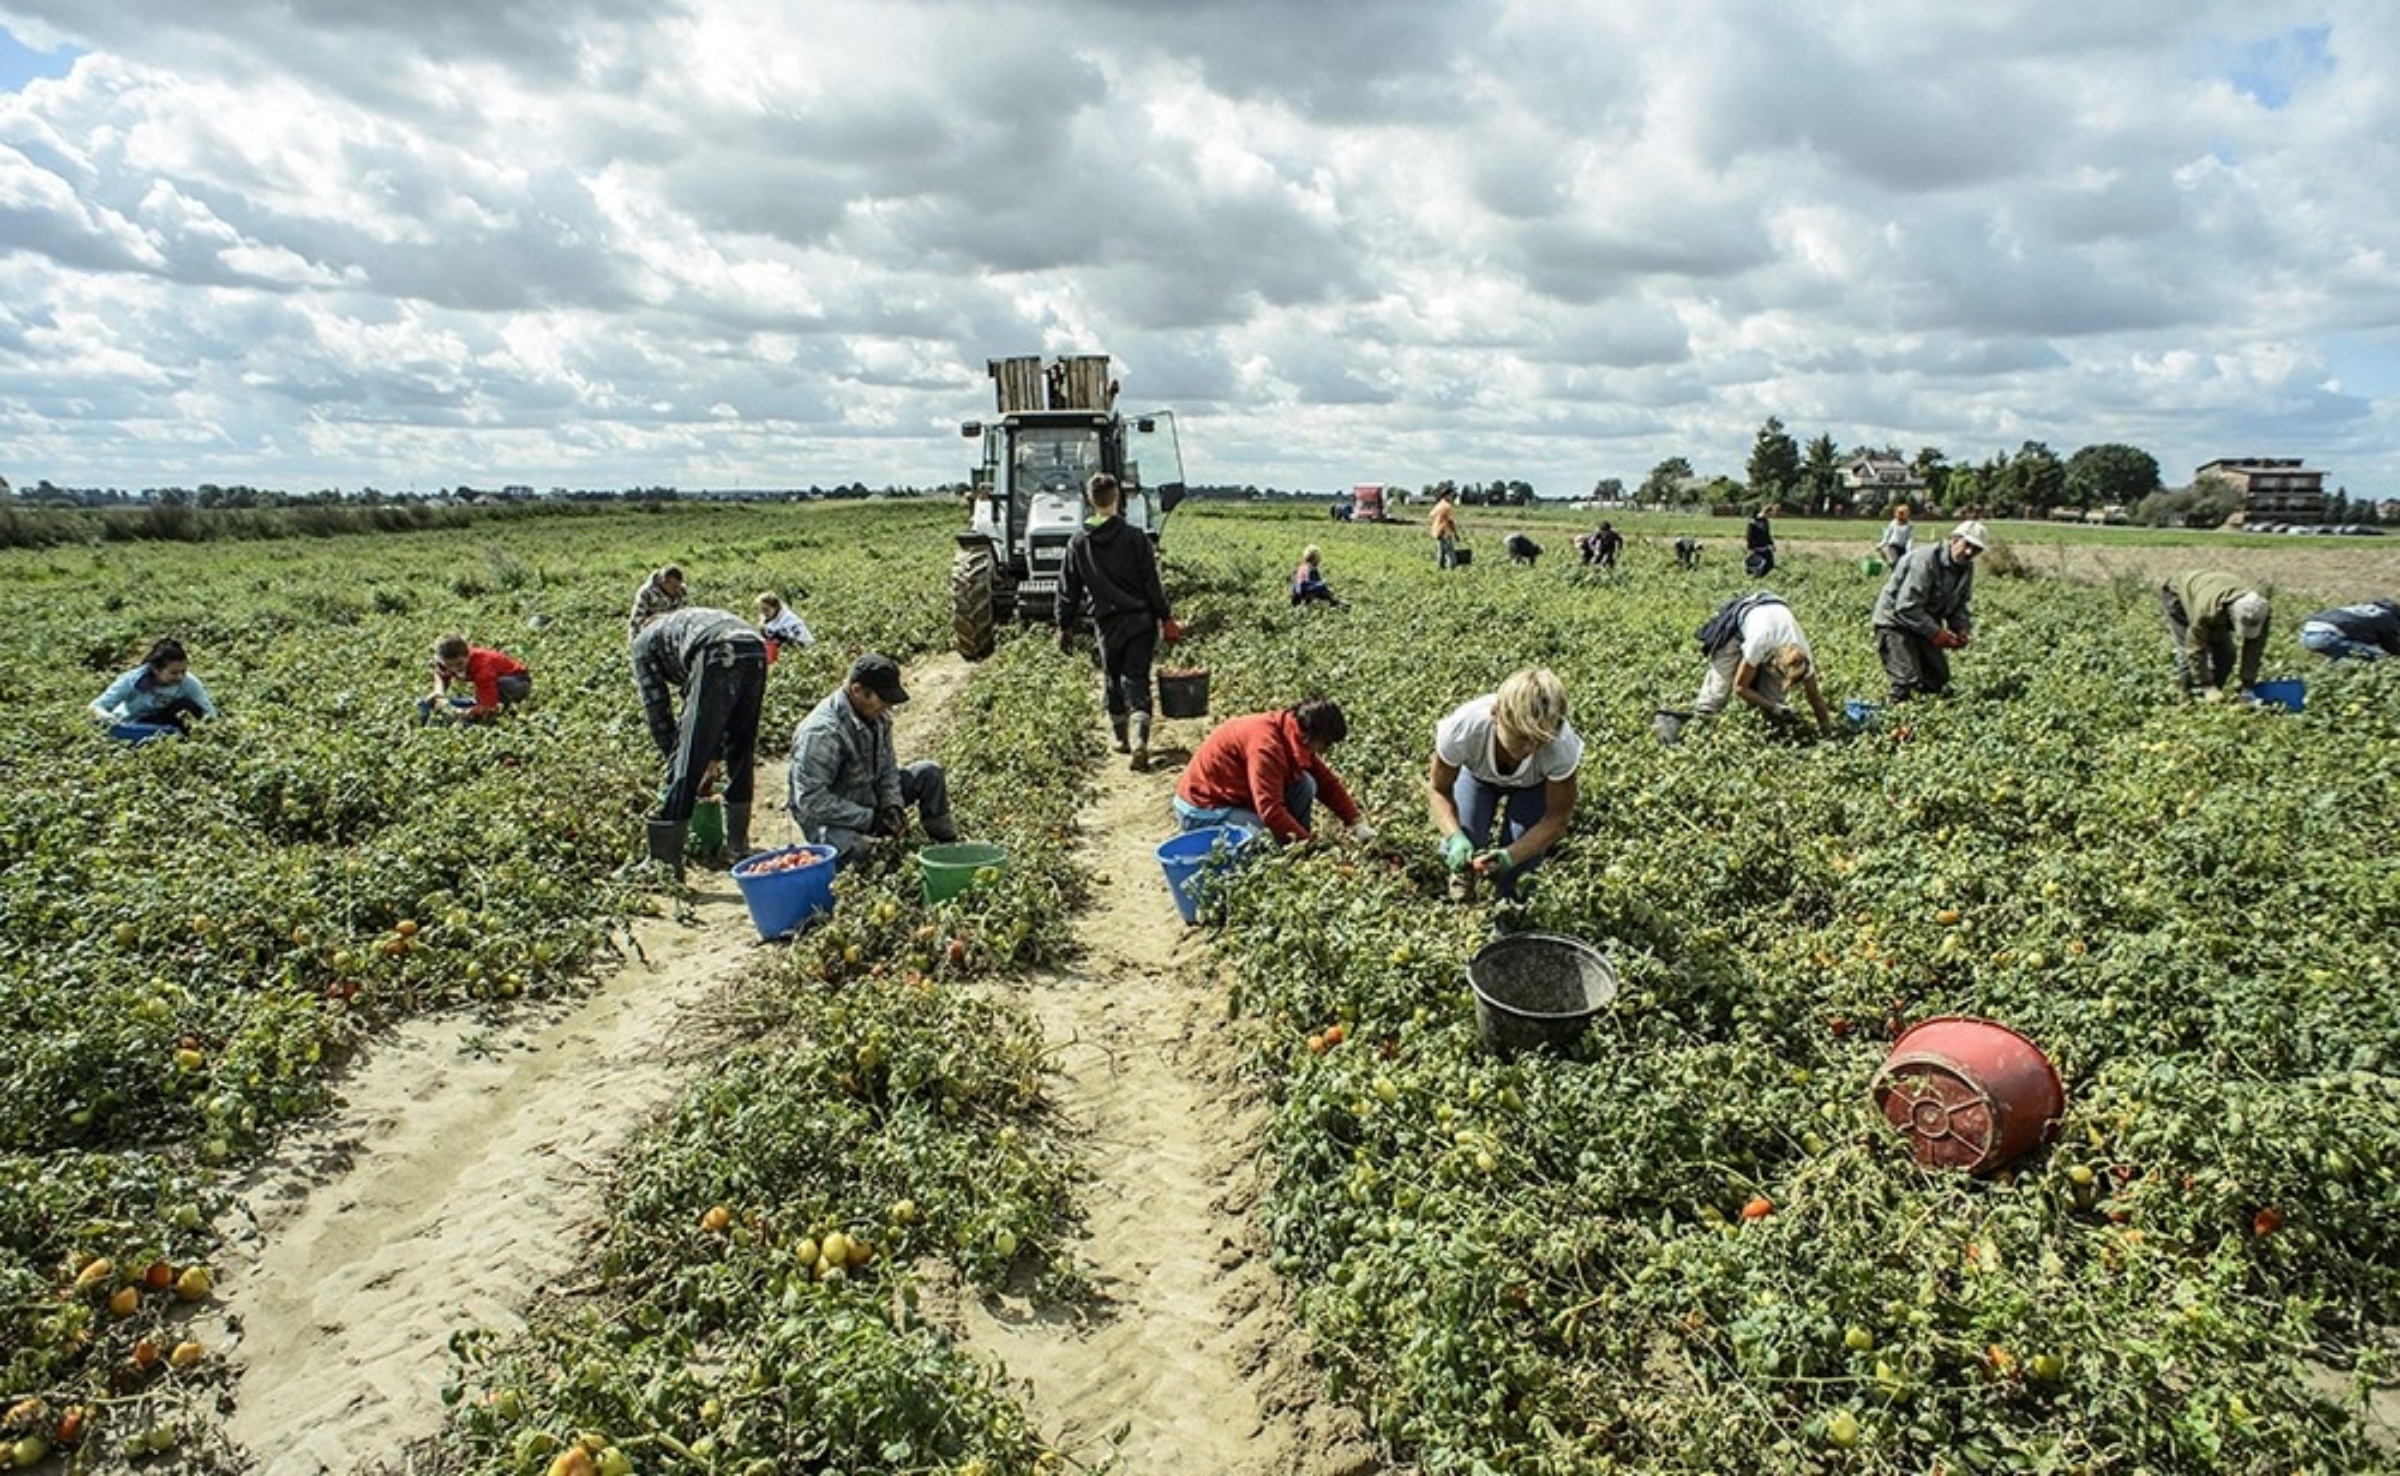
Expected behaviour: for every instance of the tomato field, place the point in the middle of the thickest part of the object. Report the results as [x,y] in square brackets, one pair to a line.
[1691,1245]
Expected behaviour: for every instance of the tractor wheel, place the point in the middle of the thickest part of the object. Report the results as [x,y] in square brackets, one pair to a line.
[971,600]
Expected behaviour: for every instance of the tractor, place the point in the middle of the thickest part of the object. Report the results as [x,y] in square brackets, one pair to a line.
[1057,426]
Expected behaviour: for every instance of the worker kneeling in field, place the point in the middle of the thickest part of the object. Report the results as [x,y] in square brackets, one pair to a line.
[1267,771]
[2205,611]
[847,784]
[1756,652]
[1925,611]
[719,663]
[2366,631]
[161,692]
[1506,759]
[1308,581]
[498,680]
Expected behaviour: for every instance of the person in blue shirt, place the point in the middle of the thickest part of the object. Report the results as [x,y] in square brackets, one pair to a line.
[161,692]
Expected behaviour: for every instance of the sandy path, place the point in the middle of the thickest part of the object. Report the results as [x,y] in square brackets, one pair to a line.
[1191,1352]
[463,1173]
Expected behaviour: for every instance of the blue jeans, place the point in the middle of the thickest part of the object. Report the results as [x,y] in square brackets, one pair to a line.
[1299,797]
[2326,641]
[1480,805]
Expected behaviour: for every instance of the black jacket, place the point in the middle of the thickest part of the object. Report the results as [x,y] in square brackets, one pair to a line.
[1111,565]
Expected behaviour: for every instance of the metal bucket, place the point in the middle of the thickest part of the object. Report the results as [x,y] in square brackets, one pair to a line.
[1538,990]
[1971,1094]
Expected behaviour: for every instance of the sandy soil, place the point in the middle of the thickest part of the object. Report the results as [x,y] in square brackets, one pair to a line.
[1191,1353]
[461,1174]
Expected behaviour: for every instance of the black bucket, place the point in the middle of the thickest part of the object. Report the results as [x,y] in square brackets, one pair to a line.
[1183,694]
[1538,990]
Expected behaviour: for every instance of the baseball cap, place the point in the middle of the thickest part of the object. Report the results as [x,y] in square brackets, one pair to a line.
[1972,531]
[2250,614]
[880,675]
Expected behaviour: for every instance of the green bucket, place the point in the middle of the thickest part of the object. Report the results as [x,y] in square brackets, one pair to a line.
[1870,565]
[951,870]
[707,835]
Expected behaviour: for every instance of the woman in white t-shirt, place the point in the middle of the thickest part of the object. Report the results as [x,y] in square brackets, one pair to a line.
[1505,760]
[1761,665]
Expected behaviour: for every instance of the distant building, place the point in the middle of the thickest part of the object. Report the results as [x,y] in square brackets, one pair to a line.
[2273,488]
[1873,479]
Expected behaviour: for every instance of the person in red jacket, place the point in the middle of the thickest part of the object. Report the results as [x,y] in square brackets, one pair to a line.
[499,680]
[1267,771]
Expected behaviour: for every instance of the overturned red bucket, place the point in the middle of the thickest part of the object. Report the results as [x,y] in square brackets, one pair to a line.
[1970,1094]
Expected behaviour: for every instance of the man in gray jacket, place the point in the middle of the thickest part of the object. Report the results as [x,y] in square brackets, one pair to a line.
[846,783]
[1922,614]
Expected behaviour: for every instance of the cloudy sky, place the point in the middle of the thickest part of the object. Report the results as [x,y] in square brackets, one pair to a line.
[306,243]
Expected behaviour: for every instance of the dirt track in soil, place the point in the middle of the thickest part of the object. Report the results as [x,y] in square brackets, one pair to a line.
[461,1176]
[1191,1353]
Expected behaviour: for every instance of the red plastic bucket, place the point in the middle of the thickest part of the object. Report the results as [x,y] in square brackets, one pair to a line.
[1970,1094]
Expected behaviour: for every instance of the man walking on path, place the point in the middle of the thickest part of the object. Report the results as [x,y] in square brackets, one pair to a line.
[1111,565]
[1923,613]
[718,661]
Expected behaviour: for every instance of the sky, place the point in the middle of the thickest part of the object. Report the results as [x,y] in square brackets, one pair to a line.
[768,243]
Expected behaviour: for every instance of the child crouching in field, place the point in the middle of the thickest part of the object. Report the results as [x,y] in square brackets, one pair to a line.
[781,625]
[499,680]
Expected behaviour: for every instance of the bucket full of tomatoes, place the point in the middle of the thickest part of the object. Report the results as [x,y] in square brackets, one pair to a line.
[1538,990]
[786,889]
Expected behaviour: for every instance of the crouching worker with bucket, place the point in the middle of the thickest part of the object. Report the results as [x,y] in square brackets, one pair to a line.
[720,665]
[1267,771]
[498,680]
[846,783]
[1504,760]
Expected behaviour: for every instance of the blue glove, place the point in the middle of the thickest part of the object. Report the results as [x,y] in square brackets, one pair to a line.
[1457,850]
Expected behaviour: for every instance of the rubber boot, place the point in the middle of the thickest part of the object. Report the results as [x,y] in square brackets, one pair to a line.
[940,829]
[1141,743]
[1117,721]
[737,832]
[666,844]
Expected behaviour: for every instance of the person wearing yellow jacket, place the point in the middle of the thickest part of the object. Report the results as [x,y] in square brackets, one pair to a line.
[2205,611]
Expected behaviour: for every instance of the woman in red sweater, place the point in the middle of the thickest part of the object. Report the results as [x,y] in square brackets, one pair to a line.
[1267,771]
[499,680]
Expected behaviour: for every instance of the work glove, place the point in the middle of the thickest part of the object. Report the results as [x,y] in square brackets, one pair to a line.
[891,820]
[1362,832]
[1947,640]
[1457,850]
[1495,863]
[1170,630]
[2212,694]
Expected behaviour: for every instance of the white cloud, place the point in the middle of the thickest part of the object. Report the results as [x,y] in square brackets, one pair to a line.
[607,242]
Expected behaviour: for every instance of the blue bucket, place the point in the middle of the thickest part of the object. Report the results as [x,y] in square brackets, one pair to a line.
[783,900]
[2288,694]
[1191,858]
[138,734]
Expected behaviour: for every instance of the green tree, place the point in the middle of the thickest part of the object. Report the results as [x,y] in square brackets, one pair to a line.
[1932,466]
[1665,484]
[1609,489]
[2110,473]
[1821,475]
[1774,462]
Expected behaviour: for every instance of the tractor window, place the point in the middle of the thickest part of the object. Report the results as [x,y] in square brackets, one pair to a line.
[1055,462]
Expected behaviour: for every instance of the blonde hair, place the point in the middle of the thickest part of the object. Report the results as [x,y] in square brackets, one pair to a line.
[1792,661]
[1531,704]
[1308,555]
[769,600]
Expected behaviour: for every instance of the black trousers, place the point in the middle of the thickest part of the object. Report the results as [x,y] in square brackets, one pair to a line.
[721,701]
[1128,644]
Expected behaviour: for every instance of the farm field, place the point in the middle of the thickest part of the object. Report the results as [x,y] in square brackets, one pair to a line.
[1538,1265]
